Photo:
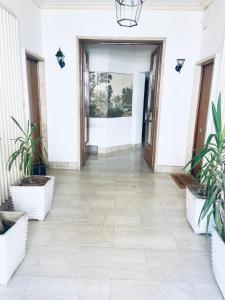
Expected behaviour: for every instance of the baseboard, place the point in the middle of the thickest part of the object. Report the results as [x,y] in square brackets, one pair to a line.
[64,165]
[168,169]
[105,150]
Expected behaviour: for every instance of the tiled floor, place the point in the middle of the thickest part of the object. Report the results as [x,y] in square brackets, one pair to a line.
[116,232]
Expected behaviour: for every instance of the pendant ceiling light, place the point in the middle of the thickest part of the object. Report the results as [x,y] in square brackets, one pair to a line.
[128,12]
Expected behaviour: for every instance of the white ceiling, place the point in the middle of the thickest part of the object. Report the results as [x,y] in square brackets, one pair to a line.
[195,4]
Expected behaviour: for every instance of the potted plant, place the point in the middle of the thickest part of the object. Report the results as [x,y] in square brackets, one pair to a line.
[218,240]
[13,233]
[195,199]
[211,156]
[33,194]
[215,206]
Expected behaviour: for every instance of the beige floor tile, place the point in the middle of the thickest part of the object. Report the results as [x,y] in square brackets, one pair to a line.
[207,291]
[144,238]
[114,217]
[186,239]
[137,202]
[87,289]
[179,265]
[114,224]
[85,235]
[109,263]
[151,290]
[153,218]
[67,215]
[85,262]
[40,235]
[15,289]
[48,288]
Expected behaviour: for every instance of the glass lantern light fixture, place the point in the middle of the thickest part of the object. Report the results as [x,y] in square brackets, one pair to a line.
[180,63]
[128,12]
[60,58]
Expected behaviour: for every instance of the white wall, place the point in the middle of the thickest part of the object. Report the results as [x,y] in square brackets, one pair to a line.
[214,31]
[213,45]
[30,23]
[30,29]
[182,31]
[106,133]
[134,60]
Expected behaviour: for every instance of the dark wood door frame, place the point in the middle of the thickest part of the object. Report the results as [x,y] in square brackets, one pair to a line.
[107,41]
[202,108]
[42,94]
[84,152]
[150,150]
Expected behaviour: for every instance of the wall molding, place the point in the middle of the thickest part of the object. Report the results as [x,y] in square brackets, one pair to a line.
[64,165]
[106,150]
[168,169]
[44,5]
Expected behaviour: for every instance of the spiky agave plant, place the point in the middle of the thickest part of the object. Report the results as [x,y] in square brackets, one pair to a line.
[212,172]
[27,150]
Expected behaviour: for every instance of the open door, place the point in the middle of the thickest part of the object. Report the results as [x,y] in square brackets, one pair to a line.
[152,108]
[34,98]
[85,97]
[202,112]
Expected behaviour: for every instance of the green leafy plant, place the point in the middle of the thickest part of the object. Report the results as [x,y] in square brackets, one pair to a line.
[212,172]
[115,111]
[27,151]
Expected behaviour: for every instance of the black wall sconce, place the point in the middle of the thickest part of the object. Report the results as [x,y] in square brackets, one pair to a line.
[60,58]
[180,63]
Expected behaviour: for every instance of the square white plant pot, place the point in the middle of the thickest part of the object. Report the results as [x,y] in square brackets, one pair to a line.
[194,205]
[218,260]
[35,201]
[12,245]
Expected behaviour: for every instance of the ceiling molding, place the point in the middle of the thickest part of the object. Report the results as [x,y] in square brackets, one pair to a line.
[42,4]
[206,3]
[38,3]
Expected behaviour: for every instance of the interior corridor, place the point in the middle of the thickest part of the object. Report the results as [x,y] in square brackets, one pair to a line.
[116,231]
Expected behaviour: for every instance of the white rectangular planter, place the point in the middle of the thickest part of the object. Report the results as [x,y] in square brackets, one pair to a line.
[218,260]
[194,207]
[12,245]
[35,201]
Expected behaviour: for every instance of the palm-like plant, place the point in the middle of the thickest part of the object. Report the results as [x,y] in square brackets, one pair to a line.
[27,151]
[211,175]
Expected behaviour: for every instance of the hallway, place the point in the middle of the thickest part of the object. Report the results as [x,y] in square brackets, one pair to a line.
[116,231]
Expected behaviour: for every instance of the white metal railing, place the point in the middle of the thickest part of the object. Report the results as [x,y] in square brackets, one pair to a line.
[11,98]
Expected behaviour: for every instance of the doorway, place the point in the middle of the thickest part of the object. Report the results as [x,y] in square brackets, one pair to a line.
[145,109]
[33,91]
[151,104]
[151,112]
[36,97]
[202,111]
